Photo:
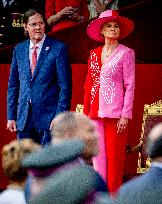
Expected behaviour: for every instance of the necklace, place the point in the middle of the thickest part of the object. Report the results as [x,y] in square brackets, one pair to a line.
[108,53]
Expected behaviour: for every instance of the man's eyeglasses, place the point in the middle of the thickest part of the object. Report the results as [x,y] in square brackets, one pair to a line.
[34,25]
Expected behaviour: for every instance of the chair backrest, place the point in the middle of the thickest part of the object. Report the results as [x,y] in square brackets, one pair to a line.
[152,115]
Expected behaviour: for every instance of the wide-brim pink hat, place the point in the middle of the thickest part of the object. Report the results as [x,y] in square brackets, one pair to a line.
[94,28]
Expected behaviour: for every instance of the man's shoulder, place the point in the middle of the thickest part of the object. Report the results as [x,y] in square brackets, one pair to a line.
[133,183]
[55,42]
[144,188]
[48,40]
[125,48]
[22,44]
[142,181]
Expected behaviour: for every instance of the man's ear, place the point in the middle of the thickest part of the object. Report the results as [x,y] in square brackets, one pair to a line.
[25,26]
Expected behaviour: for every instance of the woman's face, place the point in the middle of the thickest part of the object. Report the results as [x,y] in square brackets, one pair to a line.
[111,30]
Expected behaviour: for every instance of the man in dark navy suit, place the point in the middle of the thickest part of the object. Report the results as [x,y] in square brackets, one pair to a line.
[40,82]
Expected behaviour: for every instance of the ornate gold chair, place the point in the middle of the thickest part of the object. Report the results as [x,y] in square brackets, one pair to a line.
[152,115]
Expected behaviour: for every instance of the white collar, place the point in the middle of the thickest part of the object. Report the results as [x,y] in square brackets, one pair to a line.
[39,44]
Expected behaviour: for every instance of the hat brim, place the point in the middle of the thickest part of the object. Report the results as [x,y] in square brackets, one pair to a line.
[94,28]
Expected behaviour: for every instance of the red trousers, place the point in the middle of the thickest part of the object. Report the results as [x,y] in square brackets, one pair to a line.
[112,152]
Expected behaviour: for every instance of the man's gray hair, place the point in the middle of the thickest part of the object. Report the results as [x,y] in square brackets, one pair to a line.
[65,124]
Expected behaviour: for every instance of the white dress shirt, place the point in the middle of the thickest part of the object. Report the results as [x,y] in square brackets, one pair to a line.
[39,47]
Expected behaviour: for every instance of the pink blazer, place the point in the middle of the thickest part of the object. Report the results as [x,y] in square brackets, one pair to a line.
[109,87]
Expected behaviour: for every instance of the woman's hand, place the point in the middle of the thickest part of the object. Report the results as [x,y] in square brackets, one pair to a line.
[100,7]
[76,17]
[69,10]
[122,125]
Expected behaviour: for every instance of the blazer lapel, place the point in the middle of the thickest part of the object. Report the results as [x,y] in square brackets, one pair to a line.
[44,51]
[25,54]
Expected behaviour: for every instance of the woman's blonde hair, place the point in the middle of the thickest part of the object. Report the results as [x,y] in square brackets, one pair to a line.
[12,155]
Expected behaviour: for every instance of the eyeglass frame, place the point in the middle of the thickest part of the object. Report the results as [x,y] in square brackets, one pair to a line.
[34,25]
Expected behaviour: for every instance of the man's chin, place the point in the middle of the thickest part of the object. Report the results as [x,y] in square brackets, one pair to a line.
[38,39]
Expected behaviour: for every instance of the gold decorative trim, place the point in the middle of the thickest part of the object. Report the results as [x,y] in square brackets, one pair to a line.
[153,109]
[79,108]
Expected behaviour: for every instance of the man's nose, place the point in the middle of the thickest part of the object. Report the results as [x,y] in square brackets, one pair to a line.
[37,26]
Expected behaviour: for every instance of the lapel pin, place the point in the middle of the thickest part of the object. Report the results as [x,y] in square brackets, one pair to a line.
[47,48]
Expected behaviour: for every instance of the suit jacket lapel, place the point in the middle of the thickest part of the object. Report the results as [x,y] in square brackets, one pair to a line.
[26,62]
[44,51]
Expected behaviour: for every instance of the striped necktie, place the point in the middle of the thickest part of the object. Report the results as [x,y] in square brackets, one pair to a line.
[34,59]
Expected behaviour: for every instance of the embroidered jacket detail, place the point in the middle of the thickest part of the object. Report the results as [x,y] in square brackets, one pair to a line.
[106,78]
[95,73]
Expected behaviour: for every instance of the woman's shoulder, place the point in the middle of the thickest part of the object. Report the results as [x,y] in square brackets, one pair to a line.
[125,48]
[96,50]
[128,53]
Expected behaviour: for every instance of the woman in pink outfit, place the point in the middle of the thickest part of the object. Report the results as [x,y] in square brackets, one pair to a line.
[109,93]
